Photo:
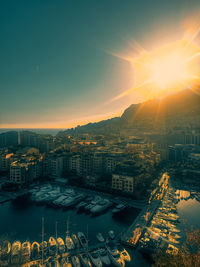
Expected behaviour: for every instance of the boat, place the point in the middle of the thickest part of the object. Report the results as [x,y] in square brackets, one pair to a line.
[72,200]
[115,256]
[41,198]
[43,247]
[52,246]
[89,198]
[54,262]
[69,191]
[88,207]
[5,248]
[65,262]
[16,252]
[118,209]
[124,254]
[69,243]
[35,247]
[94,256]
[59,200]
[96,200]
[81,204]
[52,196]
[26,249]
[75,240]
[93,203]
[111,234]
[104,256]
[61,245]
[100,237]
[82,239]
[75,261]
[101,207]
[85,260]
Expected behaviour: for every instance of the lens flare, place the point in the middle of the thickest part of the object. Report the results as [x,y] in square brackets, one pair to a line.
[166,69]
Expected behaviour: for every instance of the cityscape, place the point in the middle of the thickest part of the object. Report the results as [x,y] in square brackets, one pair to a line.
[95,169]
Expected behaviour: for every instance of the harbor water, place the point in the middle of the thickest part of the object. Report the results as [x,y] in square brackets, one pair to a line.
[21,220]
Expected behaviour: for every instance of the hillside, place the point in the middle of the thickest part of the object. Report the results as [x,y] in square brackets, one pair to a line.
[180,111]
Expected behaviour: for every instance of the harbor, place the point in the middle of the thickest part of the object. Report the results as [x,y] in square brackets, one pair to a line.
[73,250]
[90,222]
[106,223]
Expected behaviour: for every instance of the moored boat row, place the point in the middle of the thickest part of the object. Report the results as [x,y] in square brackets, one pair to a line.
[68,198]
[26,252]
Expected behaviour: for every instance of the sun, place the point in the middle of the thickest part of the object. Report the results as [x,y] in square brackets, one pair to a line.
[167,69]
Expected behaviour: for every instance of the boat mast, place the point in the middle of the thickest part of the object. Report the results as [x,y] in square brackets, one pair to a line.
[42,241]
[87,245]
[56,238]
[67,237]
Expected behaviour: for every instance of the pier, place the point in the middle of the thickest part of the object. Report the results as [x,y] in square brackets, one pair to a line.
[133,234]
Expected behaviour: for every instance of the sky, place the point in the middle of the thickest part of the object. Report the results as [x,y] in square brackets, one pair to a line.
[58,63]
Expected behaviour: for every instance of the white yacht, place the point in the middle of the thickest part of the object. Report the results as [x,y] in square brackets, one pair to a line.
[75,240]
[43,247]
[65,262]
[111,234]
[124,254]
[82,239]
[104,256]
[85,260]
[94,256]
[35,247]
[26,249]
[16,252]
[76,261]
[72,200]
[119,208]
[102,206]
[115,257]
[52,246]
[88,207]
[59,200]
[69,243]
[100,237]
[5,248]
[61,245]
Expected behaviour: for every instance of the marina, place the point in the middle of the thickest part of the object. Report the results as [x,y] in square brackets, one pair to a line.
[74,248]
[53,242]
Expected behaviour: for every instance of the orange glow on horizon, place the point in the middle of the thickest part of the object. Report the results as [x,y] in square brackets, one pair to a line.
[61,125]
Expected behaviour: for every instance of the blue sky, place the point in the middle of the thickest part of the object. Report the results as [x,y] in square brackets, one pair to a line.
[57,67]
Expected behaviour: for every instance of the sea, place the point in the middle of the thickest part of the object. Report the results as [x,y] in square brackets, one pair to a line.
[51,131]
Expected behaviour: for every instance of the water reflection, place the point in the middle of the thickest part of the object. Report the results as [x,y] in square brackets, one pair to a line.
[189,212]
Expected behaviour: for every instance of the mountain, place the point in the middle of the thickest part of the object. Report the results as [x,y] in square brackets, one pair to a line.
[176,111]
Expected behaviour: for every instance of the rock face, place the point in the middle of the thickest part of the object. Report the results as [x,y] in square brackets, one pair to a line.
[180,110]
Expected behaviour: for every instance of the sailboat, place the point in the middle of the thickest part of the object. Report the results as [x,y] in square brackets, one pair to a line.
[68,240]
[26,250]
[65,262]
[5,249]
[61,245]
[16,252]
[52,246]
[104,256]
[35,250]
[76,261]
[75,240]
[85,261]
[94,256]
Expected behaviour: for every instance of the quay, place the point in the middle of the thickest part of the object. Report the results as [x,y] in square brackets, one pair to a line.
[133,234]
